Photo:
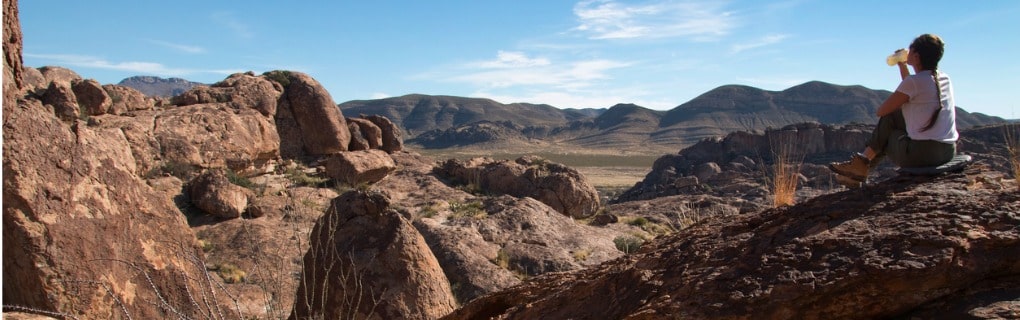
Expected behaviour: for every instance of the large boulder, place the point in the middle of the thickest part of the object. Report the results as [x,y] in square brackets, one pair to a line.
[906,248]
[360,167]
[366,261]
[92,99]
[126,99]
[392,139]
[308,120]
[563,188]
[213,193]
[61,99]
[370,132]
[215,136]
[240,91]
[83,235]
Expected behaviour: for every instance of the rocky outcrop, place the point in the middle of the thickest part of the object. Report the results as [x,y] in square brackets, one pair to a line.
[60,98]
[367,261]
[158,87]
[559,186]
[243,137]
[213,193]
[370,133]
[392,138]
[66,187]
[127,99]
[906,247]
[92,99]
[308,121]
[359,167]
[241,91]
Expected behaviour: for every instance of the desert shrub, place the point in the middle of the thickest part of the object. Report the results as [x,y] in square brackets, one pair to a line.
[299,177]
[1012,134]
[280,76]
[785,170]
[582,255]
[231,273]
[638,222]
[472,209]
[502,259]
[628,244]
[239,180]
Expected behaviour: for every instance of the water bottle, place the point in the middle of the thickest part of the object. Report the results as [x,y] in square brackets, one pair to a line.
[897,57]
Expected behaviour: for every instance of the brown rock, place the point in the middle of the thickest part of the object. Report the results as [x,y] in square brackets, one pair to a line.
[366,261]
[59,75]
[467,259]
[61,98]
[307,117]
[92,99]
[213,193]
[240,91]
[83,235]
[33,80]
[392,139]
[358,167]
[907,244]
[562,188]
[215,136]
[358,141]
[370,132]
[13,66]
[127,99]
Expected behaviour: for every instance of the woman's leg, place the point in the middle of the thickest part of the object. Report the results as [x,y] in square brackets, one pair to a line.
[888,131]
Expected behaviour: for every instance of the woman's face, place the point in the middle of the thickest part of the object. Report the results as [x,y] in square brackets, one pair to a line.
[914,59]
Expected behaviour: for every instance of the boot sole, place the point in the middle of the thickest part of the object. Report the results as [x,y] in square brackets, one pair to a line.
[847,174]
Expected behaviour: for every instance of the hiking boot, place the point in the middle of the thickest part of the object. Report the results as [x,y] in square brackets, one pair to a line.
[849,182]
[856,167]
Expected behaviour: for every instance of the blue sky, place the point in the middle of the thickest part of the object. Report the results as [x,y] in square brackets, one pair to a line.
[569,54]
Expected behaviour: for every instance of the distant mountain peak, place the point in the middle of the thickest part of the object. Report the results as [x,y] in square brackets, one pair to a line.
[156,86]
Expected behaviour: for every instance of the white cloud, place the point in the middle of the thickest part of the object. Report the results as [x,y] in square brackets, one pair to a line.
[516,69]
[512,59]
[380,95]
[179,47]
[697,20]
[139,67]
[228,20]
[763,41]
[562,99]
[773,83]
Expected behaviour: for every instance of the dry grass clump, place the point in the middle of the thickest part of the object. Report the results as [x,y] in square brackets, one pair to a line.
[785,171]
[1012,134]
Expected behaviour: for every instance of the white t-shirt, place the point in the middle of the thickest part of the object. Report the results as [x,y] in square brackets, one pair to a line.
[921,90]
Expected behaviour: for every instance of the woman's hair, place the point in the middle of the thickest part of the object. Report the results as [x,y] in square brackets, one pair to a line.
[930,48]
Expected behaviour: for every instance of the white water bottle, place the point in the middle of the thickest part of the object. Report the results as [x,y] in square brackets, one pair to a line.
[897,57]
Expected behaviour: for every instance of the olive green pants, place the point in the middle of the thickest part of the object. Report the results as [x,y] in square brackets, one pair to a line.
[890,139]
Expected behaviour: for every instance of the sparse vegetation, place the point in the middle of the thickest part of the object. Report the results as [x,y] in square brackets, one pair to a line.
[298,176]
[638,222]
[582,255]
[239,180]
[280,76]
[231,273]
[1012,134]
[628,244]
[473,209]
[785,170]
[502,259]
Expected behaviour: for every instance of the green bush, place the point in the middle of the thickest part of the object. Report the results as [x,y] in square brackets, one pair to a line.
[628,244]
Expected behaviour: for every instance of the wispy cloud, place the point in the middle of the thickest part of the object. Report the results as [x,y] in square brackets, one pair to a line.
[773,83]
[139,67]
[517,69]
[179,47]
[228,20]
[761,42]
[697,20]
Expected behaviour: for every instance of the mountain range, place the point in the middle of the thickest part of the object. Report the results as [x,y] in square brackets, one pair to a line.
[445,121]
[438,121]
[158,87]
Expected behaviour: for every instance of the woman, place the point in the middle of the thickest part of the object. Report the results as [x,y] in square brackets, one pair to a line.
[917,123]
